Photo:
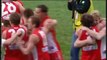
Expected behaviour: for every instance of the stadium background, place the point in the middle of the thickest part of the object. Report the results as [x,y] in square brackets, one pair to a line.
[58,10]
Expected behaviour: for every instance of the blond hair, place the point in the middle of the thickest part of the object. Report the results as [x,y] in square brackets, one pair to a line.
[96,14]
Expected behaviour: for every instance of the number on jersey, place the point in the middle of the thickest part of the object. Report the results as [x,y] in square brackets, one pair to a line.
[8,8]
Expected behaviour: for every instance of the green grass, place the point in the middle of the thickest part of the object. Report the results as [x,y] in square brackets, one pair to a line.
[58,10]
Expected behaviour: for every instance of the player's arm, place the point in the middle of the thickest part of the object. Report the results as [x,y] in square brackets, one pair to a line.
[81,43]
[101,24]
[97,35]
[50,24]
[10,40]
[20,6]
[33,39]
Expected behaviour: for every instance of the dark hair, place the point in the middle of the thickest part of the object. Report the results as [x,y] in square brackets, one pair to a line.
[6,23]
[14,0]
[15,18]
[87,20]
[28,12]
[43,8]
[35,20]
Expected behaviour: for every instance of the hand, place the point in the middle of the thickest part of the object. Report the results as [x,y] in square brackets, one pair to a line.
[20,43]
[78,32]
[90,40]
[49,23]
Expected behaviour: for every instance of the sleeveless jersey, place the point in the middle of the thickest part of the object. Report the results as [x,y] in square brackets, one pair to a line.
[53,45]
[12,50]
[8,8]
[41,48]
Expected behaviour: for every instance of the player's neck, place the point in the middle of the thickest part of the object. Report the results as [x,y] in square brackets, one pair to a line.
[14,25]
[34,29]
[44,16]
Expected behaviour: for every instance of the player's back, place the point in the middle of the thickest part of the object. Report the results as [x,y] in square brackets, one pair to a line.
[12,51]
[8,8]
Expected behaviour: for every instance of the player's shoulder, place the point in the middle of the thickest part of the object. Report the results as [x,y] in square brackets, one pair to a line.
[94,28]
[35,31]
[24,27]
[17,2]
[34,38]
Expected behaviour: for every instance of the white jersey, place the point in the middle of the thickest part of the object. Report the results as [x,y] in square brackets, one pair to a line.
[103,48]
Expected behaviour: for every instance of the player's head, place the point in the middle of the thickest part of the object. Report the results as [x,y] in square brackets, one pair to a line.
[41,10]
[26,14]
[97,16]
[33,22]
[87,20]
[14,19]
[6,23]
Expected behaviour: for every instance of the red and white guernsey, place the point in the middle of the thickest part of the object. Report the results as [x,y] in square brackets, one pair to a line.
[103,48]
[40,52]
[91,52]
[12,51]
[53,45]
[8,8]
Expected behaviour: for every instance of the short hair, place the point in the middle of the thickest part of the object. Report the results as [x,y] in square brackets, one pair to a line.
[15,18]
[6,23]
[43,8]
[28,12]
[35,20]
[87,20]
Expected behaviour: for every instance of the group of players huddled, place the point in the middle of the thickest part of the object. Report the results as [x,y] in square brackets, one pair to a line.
[30,34]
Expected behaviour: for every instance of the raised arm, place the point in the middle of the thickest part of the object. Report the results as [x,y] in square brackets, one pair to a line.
[20,6]
[49,24]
